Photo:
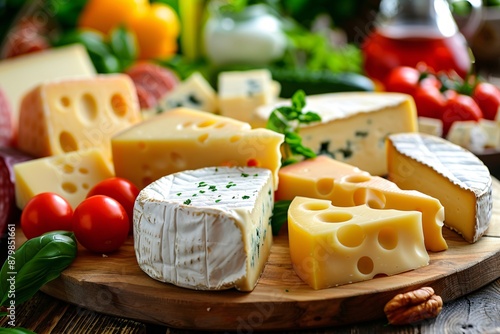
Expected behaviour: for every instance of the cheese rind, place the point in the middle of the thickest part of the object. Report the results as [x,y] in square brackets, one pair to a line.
[345,185]
[69,175]
[330,245]
[69,115]
[184,139]
[206,229]
[448,172]
[353,126]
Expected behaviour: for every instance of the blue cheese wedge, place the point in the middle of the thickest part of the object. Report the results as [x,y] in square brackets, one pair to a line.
[206,229]
[353,125]
[448,172]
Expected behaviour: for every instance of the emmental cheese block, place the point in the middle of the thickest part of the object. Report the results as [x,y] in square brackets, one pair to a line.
[70,175]
[331,246]
[205,229]
[18,75]
[448,172]
[183,139]
[67,115]
[354,125]
[345,185]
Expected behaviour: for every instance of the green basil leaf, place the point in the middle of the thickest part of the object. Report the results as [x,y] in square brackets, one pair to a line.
[299,100]
[123,44]
[309,117]
[280,215]
[36,262]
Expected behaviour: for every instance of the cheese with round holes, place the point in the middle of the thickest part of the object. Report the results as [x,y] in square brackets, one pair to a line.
[331,246]
[206,229]
[70,175]
[345,185]
[353,125]
[183,139]
[68,115]
[448,172]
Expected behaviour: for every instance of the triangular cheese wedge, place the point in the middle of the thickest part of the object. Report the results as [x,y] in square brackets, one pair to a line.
[183,139]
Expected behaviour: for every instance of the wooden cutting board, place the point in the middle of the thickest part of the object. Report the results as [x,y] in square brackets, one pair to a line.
[115,285]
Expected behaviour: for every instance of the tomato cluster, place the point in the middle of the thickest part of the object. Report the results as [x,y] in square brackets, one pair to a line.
[101,222]
[445,97]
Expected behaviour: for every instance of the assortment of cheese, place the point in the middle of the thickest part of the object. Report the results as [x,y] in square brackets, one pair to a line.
[209,181]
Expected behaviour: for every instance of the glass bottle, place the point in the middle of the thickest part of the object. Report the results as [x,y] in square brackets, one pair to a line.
[409,32]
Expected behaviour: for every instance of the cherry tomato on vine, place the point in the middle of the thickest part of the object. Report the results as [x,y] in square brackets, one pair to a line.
[100,224]
[403,79]
[120,189]
[487,97]
[46,212]
[460,107]
[430,102]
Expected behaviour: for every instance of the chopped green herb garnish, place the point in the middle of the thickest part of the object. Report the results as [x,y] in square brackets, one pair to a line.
[245,197]
[202,191]
[213,188]
[187,202]
[202,184]
[255,175]
[230,184]
[244,175]
[178,194]
[217,200]
[287,120]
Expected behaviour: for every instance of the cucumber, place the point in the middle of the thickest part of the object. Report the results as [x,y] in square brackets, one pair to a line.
[320,82]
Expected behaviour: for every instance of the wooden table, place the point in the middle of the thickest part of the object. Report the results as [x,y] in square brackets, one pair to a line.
[478,312]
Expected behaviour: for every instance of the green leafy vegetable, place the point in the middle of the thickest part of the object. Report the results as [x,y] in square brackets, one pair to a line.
[16,330]
[280,215]
[286,120]
[36,262]
[123,45]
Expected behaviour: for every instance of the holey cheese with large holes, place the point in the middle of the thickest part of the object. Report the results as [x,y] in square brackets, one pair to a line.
[331,246]
[448,172]
[206,229]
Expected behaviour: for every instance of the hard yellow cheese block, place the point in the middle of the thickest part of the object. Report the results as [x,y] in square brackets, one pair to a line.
[353,125]
[183,139]
[70,175]
[331,245]
[345,185]
[75,114]
[448,172]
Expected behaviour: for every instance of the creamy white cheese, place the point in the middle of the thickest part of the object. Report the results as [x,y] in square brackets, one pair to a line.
[206,229]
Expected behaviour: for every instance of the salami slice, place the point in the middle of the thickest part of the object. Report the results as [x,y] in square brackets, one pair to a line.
[9,213]
[6,126]
[152,82]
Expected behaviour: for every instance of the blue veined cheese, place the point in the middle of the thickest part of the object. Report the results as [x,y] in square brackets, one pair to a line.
[353,125]
[448,172]
[194,93]
[241,92]
[206,229]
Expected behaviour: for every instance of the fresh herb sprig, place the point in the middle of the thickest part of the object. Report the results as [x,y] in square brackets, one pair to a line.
[280,215]
[287,120]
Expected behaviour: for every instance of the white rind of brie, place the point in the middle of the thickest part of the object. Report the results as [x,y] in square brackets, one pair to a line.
[206,229]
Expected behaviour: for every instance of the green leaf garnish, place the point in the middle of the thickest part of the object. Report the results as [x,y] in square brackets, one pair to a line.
[287,120]
[280,215]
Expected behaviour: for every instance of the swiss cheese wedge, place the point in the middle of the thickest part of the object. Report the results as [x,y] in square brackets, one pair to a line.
[345,185]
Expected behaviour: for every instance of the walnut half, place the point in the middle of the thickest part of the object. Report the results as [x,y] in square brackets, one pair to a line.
[413,306]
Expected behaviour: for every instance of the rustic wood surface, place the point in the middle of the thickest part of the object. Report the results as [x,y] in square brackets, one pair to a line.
[114,285]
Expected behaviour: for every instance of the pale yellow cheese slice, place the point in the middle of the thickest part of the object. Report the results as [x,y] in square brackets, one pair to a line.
[69,175]
[183,139]
[331,245]
[448,172]
[345,185]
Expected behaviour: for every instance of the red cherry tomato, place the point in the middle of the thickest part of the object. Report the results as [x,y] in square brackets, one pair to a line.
[46,212]
[100,224]
[430,102]
[403,79]
[460,108]
[120,189]
[487,97]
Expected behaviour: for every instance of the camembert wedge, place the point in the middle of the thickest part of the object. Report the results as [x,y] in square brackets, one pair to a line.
[206,229]
[448,172]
